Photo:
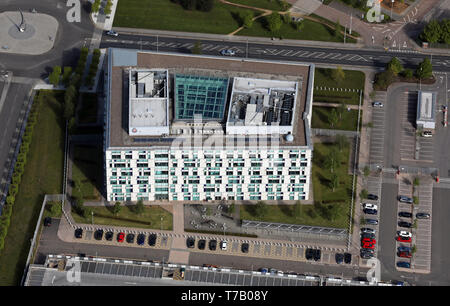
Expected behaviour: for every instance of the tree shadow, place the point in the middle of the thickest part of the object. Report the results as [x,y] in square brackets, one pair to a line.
[238,18]
[287,210]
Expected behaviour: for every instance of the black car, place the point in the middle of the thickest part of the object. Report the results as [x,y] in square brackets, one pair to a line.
[365,254]
[152,239]
[339,258]
[190,242]
[309,254]
[371,221]
[423,216]
[405,214]
[404,224]
[47,221]
[141,239]
[212,245]
[130,238]
[98,234]
[368,235]
[109,236]
[244,248]
[370,211]
[78,233]
[317,255]
[347,258]
[201,244]
[372,197]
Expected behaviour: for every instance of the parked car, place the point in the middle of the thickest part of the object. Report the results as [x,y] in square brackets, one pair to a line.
[372,196]
[190,242]
[141,239]
[370,206]
[404,254]
[152,239]
[120,237]
[366,253]
[404,249]
[109,236]
[368,243]
[404,234]
[403,264]
[405,214]
[371,221]
[48,221]
[423,216]
[347,258]
[223,245]
[370,211]
[427,134]
[368,235]
[339,257]
[98,234]
[212,245]
[309,254]
[228,52]
[201,244]
[273,271]
[405,199]
[404,224]
[130,238]
[404,239]
[79,233]
[317,255]
[263,270]
[367,230]
[244,248]
[112,33]
[377,104]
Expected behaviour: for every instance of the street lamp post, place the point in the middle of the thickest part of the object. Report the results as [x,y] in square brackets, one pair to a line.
[392,5]
[92,214]
[161,222]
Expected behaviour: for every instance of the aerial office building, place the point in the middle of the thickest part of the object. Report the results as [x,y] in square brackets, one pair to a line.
[426,108]
[194,128]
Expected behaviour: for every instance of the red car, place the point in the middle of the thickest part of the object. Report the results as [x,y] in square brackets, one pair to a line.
[404,239]
[120,237]
[368,243]
[404,254]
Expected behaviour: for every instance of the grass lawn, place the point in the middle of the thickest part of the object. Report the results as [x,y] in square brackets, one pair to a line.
[87,172]
[312,31]
[43,175]
[88,109]
[166,15]
[324,196]
[150,218]
[332,96]
[273,5]
[353,79]
[319,120]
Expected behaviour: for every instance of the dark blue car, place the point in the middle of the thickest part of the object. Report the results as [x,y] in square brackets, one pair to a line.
[404,249]
[141,239]
[403,264]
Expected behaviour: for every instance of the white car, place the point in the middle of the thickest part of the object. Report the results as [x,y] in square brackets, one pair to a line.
[228,52]
[112,33]
[405,234]
[369,206]
[377,104]
[368,230]
[223,245]
[427,134]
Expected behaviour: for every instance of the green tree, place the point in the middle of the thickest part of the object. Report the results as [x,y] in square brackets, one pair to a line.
[363,194]
[425,69]
[66,75]
[432,32]
[395,66]
[445,28]
[95,6]
[139,207]
[87,212]
[69,109]
[274,22]
[55,209]
[247,19]
[334,183]
[366,171]
[299,25]
[342,142]
[333,118]
[204,5]
[408,73]
[108,7]
[416,181]
[117,208]
[260,209]
[197,48]
[54,77]
[333,159]
[338,75]
[341,110]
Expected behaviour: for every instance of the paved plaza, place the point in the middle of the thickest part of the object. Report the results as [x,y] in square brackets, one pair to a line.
[36,35]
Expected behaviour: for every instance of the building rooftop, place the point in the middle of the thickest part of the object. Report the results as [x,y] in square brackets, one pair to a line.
[426,106]
[290,82]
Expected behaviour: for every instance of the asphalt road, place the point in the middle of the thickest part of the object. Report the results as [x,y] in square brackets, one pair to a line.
[319,55]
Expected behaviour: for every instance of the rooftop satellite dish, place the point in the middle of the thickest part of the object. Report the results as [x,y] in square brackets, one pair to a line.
[289,138]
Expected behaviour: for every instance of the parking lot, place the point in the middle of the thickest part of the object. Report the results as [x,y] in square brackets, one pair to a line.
[378,130]
[408,106]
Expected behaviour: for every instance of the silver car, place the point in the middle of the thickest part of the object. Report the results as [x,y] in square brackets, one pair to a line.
[377,104]
[227,52]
